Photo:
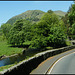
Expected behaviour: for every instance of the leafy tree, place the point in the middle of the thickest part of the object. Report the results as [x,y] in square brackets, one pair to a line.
[38,42]
[27,29]
[16,35]
[66,23]
[5,29]
[49,32]
[73,29]
[57,36]
[50,11]
[21,32]
[71,16]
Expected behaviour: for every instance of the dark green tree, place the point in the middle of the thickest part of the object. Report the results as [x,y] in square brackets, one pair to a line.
[50,11]
[6,29]
[19,32]
[49,32]
[71,16]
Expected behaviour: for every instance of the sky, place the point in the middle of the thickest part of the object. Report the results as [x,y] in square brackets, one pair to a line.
[8,9]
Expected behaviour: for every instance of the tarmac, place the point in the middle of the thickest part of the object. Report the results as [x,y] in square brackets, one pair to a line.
[45,66]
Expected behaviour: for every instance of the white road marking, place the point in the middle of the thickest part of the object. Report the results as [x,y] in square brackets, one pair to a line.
[56,63]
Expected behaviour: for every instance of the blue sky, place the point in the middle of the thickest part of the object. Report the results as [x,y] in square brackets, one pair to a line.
[9,9]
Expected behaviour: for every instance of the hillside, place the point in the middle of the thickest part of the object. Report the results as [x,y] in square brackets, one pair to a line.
[32,15]
[60,13]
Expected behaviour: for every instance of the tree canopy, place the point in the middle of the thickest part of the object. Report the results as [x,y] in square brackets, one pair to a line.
[71,20]
[49,31]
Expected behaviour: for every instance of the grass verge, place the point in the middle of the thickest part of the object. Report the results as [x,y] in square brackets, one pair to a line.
[5,49]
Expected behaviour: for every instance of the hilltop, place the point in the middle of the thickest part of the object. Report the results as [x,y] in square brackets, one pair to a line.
[33,15]
[60,13]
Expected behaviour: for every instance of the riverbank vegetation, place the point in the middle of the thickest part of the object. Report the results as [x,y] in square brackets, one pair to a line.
[5,49]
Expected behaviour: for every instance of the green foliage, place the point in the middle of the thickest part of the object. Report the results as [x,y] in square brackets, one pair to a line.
[68,43]
[38,42]
[71,16]
[58,36]
[5,67]
[5,49]
[5,29]
[50,11]
[66,24]
[27,29]
[49,48]
[20,32]
[73,28]
[49,32]
[50,18]
[0,31]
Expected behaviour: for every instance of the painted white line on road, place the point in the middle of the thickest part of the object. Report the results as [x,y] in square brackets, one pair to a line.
[56,63]
[53,66]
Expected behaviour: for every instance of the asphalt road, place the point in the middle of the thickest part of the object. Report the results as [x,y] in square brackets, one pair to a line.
[47,64]
[65,65]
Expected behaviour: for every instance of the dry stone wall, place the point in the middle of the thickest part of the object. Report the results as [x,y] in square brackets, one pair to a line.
[26,66]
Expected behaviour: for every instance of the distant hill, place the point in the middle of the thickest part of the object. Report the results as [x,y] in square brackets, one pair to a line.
[60,13]
[32,15]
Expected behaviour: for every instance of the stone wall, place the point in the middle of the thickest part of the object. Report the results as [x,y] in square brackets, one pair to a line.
[26,66]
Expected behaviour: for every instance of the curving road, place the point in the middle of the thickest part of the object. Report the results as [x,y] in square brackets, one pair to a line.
[44,67]
[65,65]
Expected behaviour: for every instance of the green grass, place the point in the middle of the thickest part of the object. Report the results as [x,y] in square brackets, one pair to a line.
[27,42]
[68,43]
[1,38]
[6,67]
[5,49]
[49,48]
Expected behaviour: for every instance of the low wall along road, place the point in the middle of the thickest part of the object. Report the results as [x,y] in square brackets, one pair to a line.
[26,66]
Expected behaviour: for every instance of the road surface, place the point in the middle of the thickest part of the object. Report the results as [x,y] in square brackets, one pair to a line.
[65,65]
[44,67]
